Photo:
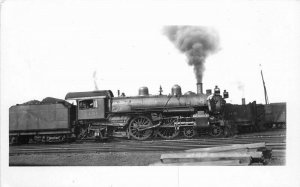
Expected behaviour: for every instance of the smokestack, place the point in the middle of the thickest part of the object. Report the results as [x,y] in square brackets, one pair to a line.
[199,88]
[243,101]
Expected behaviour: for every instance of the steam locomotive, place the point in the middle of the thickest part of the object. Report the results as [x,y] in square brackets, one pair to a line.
[98,114]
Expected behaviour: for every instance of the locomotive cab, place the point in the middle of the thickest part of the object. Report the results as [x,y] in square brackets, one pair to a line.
[91,105]
[93,108]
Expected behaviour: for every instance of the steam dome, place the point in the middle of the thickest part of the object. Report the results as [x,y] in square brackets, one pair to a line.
[143,91]
[190,93]
[176,90]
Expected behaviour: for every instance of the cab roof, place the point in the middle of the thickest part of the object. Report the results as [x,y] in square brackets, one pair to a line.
[89,95]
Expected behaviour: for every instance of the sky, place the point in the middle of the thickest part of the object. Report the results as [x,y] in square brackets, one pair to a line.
[50,48]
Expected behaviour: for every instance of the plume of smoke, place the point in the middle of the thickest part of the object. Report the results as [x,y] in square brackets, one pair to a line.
[196,42]
[95,79]
[241,87]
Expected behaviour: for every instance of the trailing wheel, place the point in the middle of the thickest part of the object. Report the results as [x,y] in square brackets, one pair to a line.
[137,126]
[168,130]
[215,131]
[189,132]
[82,133]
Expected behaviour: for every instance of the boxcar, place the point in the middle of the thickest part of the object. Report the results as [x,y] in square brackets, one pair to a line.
[275,115]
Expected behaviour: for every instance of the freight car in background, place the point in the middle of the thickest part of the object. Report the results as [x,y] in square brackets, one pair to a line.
[256,117]
[248,117]
[98,115]
[275,115]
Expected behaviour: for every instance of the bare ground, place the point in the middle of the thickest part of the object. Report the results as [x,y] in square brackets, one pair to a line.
[103,159]
[86,159]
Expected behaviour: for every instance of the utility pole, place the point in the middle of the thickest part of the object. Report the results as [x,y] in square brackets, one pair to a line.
[265,89]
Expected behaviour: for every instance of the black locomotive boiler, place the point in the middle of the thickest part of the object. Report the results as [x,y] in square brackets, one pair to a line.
[101,114]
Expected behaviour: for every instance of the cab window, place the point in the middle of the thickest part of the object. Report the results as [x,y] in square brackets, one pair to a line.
[87,104]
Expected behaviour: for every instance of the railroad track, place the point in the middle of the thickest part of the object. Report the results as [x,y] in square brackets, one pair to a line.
[275,141]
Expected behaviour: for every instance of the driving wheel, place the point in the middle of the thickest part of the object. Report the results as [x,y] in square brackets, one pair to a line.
[168,130]
[137,125]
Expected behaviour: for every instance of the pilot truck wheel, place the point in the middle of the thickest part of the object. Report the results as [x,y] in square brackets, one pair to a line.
[189,132]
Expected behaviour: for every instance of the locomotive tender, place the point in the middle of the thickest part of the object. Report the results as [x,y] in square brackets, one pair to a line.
[41,121]
[98,114]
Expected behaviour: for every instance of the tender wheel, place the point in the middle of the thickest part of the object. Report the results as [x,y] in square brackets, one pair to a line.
[215,131]
[62,138]
[136,128]
[24,139]
[189,132]
[13,140]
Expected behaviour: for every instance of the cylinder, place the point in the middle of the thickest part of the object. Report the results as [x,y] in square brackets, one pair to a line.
[199,88]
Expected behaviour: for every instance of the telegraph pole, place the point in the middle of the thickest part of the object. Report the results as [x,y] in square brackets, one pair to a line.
[265,89]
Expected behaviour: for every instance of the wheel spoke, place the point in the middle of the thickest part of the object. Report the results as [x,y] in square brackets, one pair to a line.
[215,131]
[168,131]
[138,123]
[189,132]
